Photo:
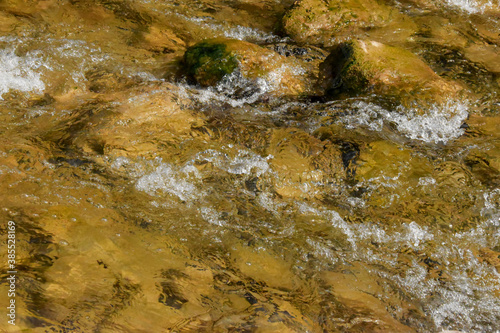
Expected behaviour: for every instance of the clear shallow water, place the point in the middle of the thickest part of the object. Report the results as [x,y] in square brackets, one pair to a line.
[146,204]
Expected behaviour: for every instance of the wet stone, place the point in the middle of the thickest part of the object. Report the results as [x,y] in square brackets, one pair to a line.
[327,22]
[367,67]
[182,166]
[221,61]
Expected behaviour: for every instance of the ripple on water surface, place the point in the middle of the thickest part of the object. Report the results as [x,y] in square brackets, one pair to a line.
[145,203]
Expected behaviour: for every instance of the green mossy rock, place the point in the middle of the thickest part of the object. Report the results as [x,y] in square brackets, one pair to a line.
[209,61]
[360,67]
[325,22]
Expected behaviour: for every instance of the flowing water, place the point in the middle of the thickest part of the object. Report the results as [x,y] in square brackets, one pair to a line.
[144,203]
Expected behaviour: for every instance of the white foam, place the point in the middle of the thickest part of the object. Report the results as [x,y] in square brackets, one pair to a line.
[322,251]
[72,57]
[486,234]
[155,175]
[49,57]
[235,32]
[246,33]
[334,218]
[416,234]
[337,221]
[266,201]
[166,179]
[368,115]
[491,203]
[372,232]
[426,181]
[21,73]
[457,305]
[244,163]
[465,299]
[237,90]
[119,162]
[440,124]
[212,216]
[473,6]
[275,77]
[233,89]
[412,234]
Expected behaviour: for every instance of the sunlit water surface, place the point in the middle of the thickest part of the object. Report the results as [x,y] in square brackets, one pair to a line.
[146,204]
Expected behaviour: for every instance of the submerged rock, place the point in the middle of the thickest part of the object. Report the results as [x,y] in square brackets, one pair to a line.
[303,163]
[356,289]
[386,160]
[360,67]
[212,61]
[323,22]
[487,55]
[485,163]
[160,40]
[148,119]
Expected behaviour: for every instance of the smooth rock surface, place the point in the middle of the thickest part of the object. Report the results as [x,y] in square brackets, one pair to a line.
[368,67]
[325,22]
[212,61]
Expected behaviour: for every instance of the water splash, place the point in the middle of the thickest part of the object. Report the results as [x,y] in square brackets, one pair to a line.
[440,124]
[21,73]
[235,32]
[426,181]
[473,6]
[165,178]
[50,60]
[233,89]
[212,216]
[237,90]
[244,163]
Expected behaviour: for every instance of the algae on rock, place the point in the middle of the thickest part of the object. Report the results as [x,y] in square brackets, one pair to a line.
[211,61]
[208,62]
[361,67]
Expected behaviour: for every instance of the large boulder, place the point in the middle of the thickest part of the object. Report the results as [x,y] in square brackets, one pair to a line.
[325,22]
[362,67]
[212,61]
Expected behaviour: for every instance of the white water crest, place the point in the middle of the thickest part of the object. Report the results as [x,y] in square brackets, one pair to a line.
[186,182]
[235,32]
[237,90]
[440,124]
[233,89]
[244,163]
[167,179]
[473,6]
[49,58]
[212,216]
[21,73]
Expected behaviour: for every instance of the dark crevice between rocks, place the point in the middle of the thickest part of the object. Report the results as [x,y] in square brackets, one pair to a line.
[482,170]
[350,154]
[330,77]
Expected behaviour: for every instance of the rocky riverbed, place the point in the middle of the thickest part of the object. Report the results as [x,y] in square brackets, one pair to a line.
[251,166]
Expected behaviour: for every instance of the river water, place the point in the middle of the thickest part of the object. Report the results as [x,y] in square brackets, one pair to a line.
[144,203]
